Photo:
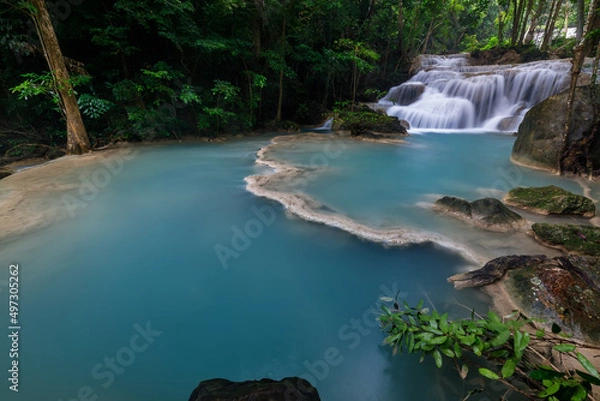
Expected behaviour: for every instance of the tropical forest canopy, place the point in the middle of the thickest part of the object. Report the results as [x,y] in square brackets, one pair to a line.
[147,69]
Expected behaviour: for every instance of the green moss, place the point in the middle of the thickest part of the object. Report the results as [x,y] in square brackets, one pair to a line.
[583,240]
[364,120]
[551,200]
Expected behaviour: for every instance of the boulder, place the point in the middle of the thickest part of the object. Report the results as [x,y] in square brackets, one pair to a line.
[582,240]
[550,200]
[364,121]
[560,290]
[539,137]
[486,213]
[290,388]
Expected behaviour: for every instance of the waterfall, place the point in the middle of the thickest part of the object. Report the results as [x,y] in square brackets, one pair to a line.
[446,92]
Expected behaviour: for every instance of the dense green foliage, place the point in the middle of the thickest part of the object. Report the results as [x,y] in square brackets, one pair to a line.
[502,348]
[161,68]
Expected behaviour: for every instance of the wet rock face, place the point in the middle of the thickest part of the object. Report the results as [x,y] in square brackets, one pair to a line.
[560,290]
[486,213]
[288,389]
[539,138]
[550,200]
[582,240]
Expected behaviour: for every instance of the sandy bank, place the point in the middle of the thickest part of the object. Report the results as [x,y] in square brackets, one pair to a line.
[28,198]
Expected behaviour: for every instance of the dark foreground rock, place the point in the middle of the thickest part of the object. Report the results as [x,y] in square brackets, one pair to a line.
[288,389]
[560,290]
[582,240]
[550,200]
[539,138]
[486,213]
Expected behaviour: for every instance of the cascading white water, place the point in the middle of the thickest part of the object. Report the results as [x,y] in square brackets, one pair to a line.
[447,93]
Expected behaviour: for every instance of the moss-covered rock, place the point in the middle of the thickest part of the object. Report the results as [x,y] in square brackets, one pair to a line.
[364,121]
[290,388]
[486,213]
[539,139]
[560,290]
[582,240]
[550,200]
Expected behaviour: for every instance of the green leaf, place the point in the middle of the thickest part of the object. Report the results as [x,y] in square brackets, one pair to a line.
[438,340]
[587,365]
[457,350]
[580,394]
[488,373]
[553,389]
[448,352]
[501,338]
[521,342]
[410,342]
[493,317]
[565,347]
[595,381]
[438,358]
[509,368]
[545,374]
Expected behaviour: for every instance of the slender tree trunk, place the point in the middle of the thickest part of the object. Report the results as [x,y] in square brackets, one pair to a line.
[580,18]
[589,43]
[549,32]
[567,10]
[401,48]
[525,19]
[518,12]
[534,21]
[280,98]
[77,138]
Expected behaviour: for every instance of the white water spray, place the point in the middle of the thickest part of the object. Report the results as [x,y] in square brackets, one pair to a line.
[447,93]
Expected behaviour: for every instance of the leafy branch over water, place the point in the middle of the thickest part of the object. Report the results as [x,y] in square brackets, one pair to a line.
[508,349]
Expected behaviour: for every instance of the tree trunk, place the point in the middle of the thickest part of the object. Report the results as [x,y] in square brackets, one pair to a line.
[549,32]
[524,23]
[280,97]
[580,18]
[534,21]
[589,43]
[567,11]
[518,12]
[77,138]
[401,48]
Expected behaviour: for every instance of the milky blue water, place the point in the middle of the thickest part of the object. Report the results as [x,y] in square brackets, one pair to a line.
[222,283]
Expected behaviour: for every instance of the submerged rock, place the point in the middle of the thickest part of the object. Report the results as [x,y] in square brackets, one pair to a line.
[486,213]
[583,240]
[539,139]
[290,388]
[561,290]
[550,200]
